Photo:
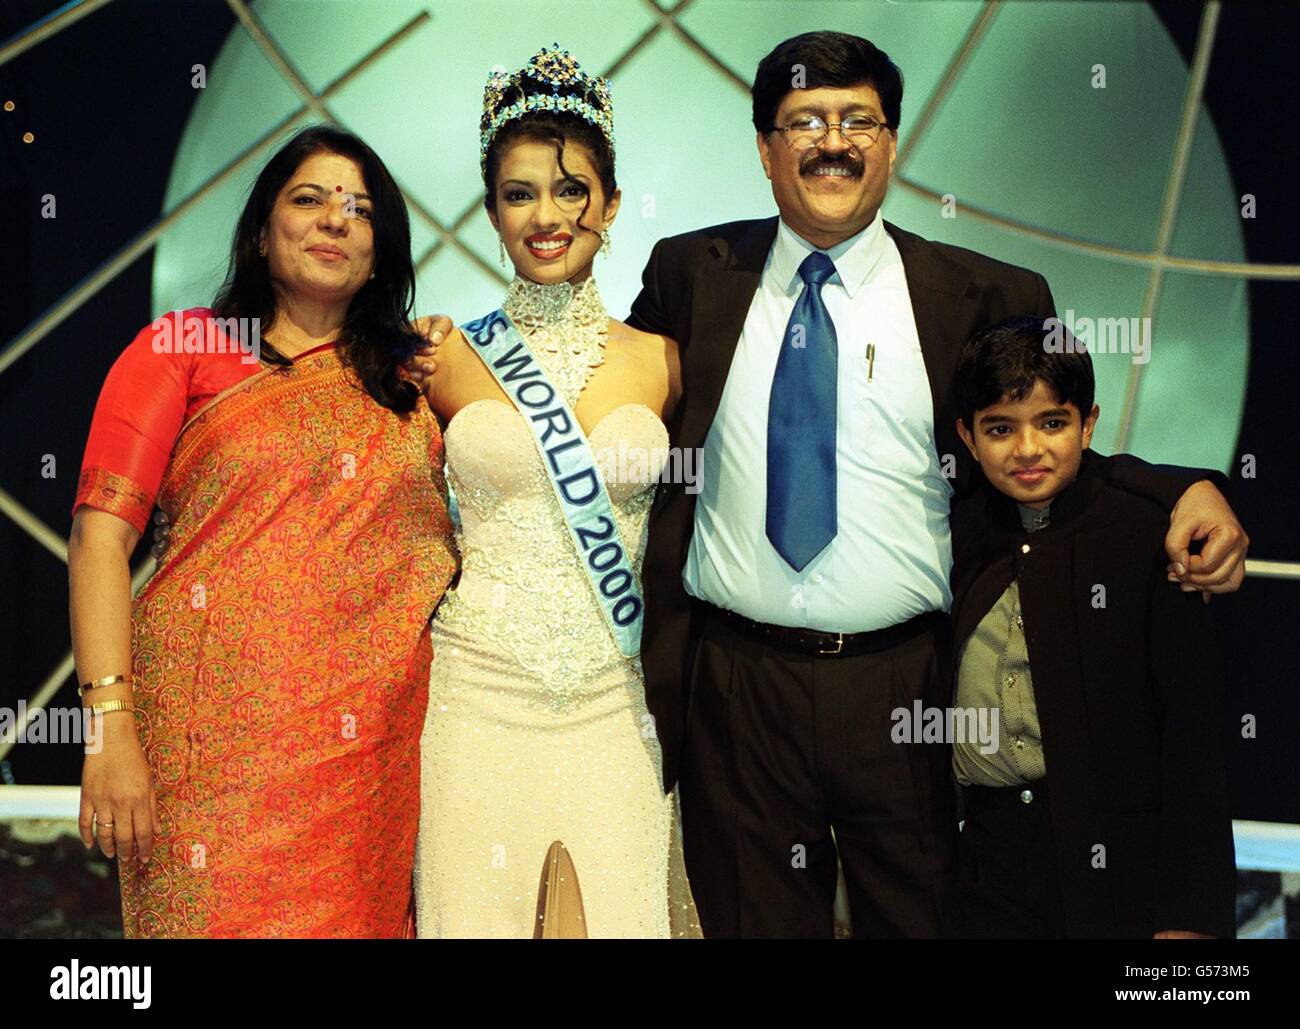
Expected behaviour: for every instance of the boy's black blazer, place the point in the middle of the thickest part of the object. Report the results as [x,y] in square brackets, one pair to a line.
[697,288]
[1128,692]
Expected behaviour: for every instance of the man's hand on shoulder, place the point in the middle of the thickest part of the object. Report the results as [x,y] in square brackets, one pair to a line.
[1202,513]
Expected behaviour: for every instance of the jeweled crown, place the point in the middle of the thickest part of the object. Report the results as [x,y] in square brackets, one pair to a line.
[551,81]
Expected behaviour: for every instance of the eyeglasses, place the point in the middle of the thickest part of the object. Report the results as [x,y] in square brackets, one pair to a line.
[808,132]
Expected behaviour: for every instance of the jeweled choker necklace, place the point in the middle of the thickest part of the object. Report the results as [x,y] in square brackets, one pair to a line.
[567,328]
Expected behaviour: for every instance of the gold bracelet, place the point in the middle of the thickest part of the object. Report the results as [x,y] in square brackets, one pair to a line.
[105,707]
[99,684]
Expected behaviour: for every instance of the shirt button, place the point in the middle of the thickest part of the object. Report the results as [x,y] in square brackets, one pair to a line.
[1026,796]
[817,578]
[1024,548]
[1011,680]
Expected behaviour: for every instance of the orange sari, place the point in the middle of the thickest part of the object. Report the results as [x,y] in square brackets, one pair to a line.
[281,660]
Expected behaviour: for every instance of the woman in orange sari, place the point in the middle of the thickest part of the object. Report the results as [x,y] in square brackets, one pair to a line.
[262,700]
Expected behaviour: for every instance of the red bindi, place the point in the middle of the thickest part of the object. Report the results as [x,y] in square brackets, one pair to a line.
[338,189]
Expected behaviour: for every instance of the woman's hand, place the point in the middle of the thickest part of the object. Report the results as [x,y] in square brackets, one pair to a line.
[117,798]
[119,807]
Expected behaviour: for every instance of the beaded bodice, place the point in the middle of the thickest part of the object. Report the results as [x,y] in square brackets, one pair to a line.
[566,326]
[523,587]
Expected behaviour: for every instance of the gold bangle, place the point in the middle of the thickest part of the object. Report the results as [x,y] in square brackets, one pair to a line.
[99,684]
[105,707]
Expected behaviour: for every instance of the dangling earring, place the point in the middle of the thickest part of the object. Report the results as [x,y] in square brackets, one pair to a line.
[501,247]
[261,249]
[604,242]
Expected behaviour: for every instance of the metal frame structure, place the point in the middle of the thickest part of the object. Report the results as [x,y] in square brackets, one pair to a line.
[1157,260]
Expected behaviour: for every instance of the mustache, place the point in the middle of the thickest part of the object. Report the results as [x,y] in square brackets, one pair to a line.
[848,160]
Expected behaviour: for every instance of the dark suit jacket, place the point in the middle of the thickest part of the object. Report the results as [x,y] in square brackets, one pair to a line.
[697,288]
[1128,699]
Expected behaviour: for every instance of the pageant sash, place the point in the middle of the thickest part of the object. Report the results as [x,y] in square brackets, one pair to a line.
[571,468]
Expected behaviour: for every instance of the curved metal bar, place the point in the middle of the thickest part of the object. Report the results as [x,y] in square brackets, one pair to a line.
[1140,258]
[33,526]
[1169,207]
[949,79]
[68,304]
[52,24]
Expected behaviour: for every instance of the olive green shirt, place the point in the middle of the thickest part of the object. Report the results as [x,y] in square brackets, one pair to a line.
[993,673]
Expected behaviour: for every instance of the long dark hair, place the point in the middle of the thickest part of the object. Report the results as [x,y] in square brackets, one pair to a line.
[377,335]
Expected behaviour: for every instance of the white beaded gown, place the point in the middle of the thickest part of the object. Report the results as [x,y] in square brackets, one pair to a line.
[537,728]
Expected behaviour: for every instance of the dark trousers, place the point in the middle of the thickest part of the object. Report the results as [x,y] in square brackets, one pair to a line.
[1007,884]
[783,748]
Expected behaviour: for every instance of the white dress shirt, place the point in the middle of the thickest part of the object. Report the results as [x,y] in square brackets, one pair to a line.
[892,552]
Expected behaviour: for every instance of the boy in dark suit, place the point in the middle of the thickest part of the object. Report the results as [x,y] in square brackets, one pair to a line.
[1103,809]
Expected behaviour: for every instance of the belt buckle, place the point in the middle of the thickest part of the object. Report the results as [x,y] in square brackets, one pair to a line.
[839,645]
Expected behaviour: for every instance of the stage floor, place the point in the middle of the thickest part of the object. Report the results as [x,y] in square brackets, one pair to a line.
[51,887]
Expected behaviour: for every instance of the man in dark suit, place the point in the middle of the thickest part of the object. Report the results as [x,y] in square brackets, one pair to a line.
[801,598]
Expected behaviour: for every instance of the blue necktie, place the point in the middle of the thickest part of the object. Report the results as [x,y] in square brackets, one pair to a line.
[801,425]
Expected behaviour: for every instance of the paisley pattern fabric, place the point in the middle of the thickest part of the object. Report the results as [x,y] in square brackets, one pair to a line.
[281,657]
[116,494]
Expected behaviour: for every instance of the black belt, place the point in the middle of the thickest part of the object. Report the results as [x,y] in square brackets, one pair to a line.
[826,644]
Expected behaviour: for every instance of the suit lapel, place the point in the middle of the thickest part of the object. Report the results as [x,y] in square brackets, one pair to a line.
[724,289]
[943,311]
[725,284]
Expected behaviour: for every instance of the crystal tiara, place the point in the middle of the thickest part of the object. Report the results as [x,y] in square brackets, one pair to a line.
[551,81]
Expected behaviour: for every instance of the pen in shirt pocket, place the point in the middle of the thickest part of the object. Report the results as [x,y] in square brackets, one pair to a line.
[871,359]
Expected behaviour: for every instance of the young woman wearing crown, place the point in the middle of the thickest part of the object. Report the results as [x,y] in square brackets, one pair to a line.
[537,728]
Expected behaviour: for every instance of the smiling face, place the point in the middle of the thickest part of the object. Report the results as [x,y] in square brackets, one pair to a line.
[318,239]
[1030,449]
[540,211]
[831,191]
